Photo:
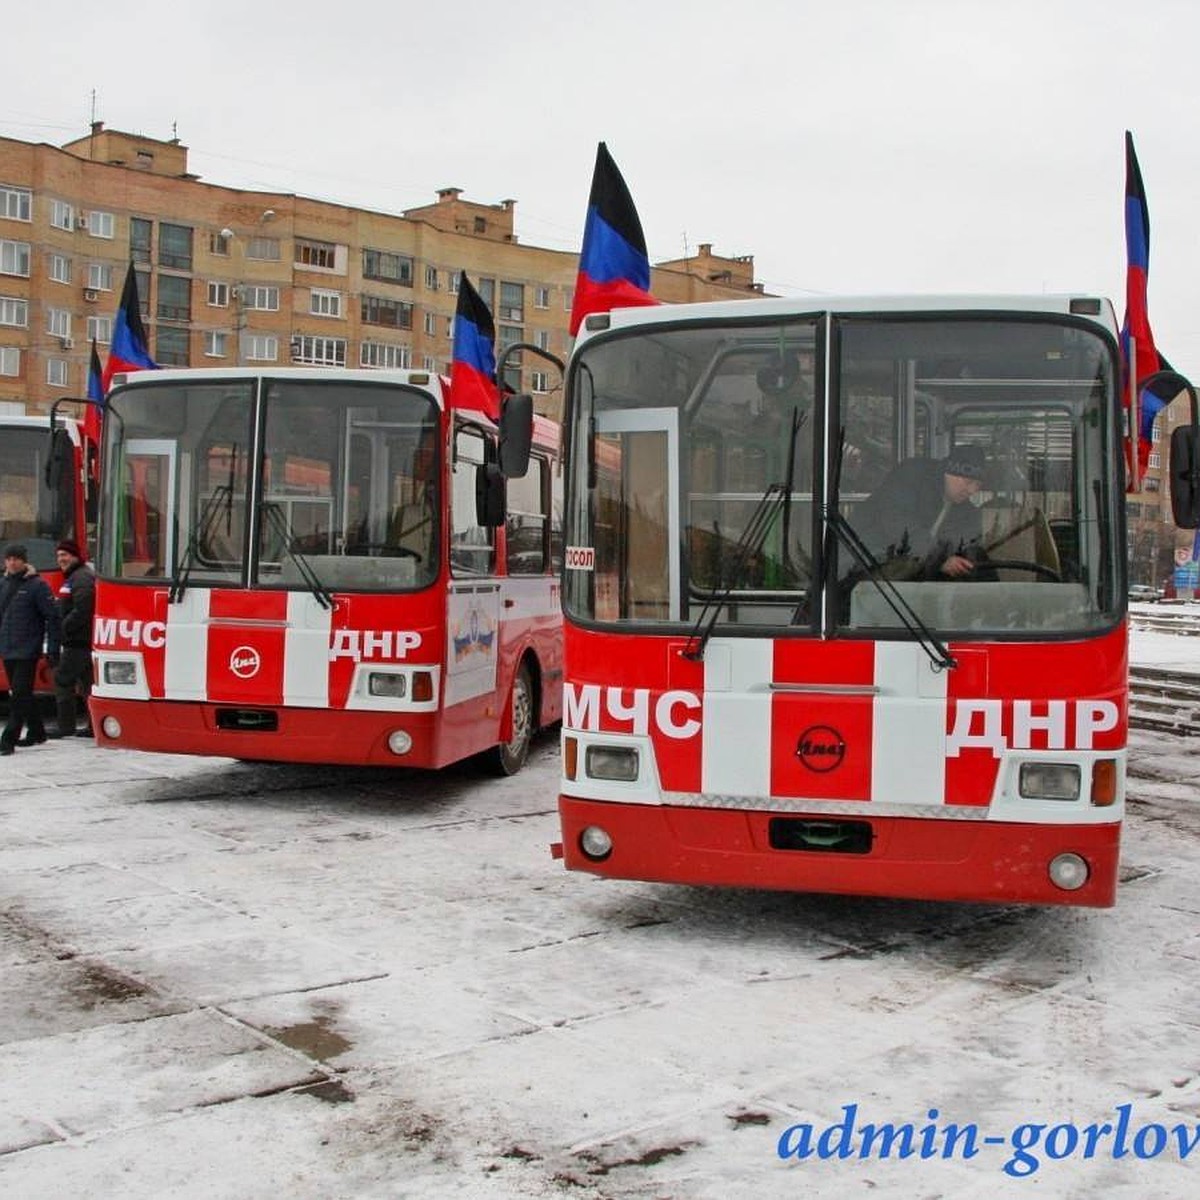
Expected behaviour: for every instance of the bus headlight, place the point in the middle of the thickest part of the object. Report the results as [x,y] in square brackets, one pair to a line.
[384,683]
[399,742]
[1049,781]
[595,843]
[111,728]
[121,674]
[612,762]
[1068,871]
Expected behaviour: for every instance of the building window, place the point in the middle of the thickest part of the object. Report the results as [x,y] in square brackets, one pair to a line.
[1154,461]
[56,372]
[381,354]
[392,268]
[379,310]
[265,299]
[58,323]
[218,244]
[175,246]
[14,258]
[16,203]
[321,255]
[322,303]
[62,214]
[431,278]
[102,224]
[509,335]
[171,347]
[215,343]
[99,329]
[14,311]
[453,282]
[319,351]
[100,276]
[1156,432]
[174,298]
[140,233]
[541,339]
[487,292]
[480,225]
[431,324]
[539,381]
[429,363]
[266,249]
[141,280]
[259,347]
[568,299]
[218,295]
[60,268]
[10,360]
[541,296]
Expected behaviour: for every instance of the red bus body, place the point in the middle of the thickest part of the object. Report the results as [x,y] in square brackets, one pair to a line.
[967,745]
[419,675]
[34,513]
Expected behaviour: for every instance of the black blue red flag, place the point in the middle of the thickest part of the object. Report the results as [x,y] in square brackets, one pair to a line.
[95,391]
[1141,358]
[129,350]
[473,368]
[614,270]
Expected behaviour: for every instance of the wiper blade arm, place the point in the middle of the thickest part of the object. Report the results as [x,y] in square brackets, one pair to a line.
[200,533]
[281,527]
[748,544]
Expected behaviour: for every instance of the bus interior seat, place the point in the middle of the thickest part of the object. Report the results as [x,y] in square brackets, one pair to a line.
[1020,533]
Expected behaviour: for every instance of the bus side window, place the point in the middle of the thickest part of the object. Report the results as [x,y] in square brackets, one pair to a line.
[526,521]
[472,546]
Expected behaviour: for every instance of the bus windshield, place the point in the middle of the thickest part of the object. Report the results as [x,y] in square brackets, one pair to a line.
[864,474]
[31,513]
[273,483]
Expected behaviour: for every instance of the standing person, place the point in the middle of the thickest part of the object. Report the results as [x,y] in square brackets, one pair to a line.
[76,606]
[922,518]
[28,621]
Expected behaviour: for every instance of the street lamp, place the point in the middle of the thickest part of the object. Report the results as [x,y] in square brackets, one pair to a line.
[239,310]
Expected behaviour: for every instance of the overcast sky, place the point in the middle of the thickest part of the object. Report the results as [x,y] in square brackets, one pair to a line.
[850,146]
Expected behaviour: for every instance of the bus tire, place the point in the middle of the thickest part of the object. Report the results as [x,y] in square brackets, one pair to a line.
[509,757]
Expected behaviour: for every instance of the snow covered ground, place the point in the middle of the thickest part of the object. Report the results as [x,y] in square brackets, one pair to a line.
[220,980]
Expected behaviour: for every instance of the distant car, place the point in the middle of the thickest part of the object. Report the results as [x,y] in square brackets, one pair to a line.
[1144,592]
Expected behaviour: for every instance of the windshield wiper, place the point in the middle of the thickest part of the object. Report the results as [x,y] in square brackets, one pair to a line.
[208,516]
[279,524]
[747,545]
[939,654]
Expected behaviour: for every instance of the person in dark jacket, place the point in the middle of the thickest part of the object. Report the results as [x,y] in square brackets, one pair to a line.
[76,607]
[28,621]
[921,521]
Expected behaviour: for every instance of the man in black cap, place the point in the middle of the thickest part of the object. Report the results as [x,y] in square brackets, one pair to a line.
[76,607]
[28,621]
[921,519]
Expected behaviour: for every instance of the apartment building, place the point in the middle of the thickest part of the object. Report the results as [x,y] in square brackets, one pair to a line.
[229,277]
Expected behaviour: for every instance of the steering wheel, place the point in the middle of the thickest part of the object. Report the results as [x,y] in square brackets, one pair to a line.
[1020,564]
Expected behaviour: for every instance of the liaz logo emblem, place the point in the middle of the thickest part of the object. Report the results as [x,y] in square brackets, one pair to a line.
[821,748]
[244,662]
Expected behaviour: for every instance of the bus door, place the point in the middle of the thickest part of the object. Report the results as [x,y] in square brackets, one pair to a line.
[637,514]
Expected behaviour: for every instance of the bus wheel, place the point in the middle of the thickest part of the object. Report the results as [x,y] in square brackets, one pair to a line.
[509,758]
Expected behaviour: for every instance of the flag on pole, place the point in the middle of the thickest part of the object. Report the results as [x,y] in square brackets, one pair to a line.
[95,391]
[614,270]
[129,350]
[1141,358]
[473,367]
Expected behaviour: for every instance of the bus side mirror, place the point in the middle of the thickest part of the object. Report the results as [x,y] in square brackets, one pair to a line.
[60,460]
[489,495]
[516,435]
[1185,476]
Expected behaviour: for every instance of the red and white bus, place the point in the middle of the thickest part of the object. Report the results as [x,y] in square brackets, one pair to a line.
[759,691]
[319,566]
[43,498]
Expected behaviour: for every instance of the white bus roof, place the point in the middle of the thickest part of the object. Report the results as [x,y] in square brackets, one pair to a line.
[768,308]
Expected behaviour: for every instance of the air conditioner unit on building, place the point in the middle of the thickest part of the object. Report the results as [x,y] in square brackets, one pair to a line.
[91,295]
[81,221]
[67,343]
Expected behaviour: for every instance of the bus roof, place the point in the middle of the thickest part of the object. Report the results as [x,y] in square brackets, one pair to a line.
[1088,306]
